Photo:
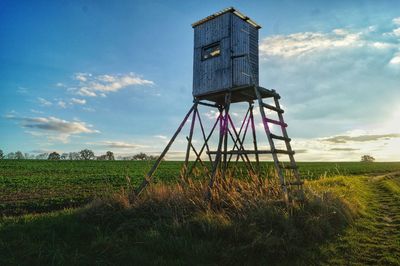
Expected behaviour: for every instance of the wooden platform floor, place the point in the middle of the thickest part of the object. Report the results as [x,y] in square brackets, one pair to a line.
[238,94]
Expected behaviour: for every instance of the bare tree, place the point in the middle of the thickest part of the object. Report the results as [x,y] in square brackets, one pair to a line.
[54,156]
[110,156]
[101,157]
[19,155]
[140,157]
[87,154]
[1,155]
[143,157]
[42,156]
[367,159]
[64,156]
[74,156]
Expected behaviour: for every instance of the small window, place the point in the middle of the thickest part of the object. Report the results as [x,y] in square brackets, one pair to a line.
[210,51]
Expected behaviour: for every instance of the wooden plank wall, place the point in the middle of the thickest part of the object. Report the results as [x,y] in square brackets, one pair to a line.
[215,74]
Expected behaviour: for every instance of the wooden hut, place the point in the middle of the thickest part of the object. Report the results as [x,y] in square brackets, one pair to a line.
[225,54]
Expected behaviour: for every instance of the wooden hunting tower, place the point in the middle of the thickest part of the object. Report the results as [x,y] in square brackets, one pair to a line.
[225,71]
[222,43]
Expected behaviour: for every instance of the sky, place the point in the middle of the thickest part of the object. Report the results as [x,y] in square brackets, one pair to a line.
[117,75]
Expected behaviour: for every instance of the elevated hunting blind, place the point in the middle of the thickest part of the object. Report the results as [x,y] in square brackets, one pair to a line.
[222,43]
[225,71]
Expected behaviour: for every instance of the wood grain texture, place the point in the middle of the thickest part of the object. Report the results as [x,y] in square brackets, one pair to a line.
[220,73]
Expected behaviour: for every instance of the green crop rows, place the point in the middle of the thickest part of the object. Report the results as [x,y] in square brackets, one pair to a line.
[39,186]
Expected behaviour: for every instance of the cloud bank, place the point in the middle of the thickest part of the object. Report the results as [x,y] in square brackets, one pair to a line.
[334,81]
[101,85]
[53,128]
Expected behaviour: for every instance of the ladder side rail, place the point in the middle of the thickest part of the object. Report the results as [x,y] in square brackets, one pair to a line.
[287,143]
[268,132]
[272,145]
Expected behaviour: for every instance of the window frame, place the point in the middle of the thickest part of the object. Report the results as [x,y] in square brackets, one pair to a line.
[208,46]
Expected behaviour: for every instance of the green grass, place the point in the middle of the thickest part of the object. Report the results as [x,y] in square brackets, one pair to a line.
[173,225]
[40,186]
[29,185]
[374,238]
[351,216]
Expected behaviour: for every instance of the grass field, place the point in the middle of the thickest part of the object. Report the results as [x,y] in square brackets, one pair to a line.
[39,186]
[351,217]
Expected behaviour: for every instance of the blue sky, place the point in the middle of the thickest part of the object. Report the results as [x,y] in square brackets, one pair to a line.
[118,76]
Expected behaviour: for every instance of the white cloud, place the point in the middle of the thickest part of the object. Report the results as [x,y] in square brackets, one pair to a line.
[22,90]
[36,111]
[396,59]
[348,146]
[382,45]
[396,32]
[211,114]
[117,144]
[360,138]
[44,102]
[84,91]
[106,78]
[396,21]
[78,101]
[89,109]
[82,76]
[161,137]
[305,42]
[54,128]
[330,89]
[93,86]
[62,104]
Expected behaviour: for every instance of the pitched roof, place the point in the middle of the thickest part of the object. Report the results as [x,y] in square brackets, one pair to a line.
[226,10]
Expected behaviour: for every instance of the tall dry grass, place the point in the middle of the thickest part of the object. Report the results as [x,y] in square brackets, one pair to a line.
[247,216]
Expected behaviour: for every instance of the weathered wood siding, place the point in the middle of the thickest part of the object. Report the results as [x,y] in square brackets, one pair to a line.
[222,72]
[212,74]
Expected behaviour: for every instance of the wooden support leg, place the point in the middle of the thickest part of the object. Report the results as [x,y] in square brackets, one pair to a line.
[223,129]
[204,145]
[204,136]
[240,132]
[185,166]
[149,175]
[253,129]
[242,156]
[241,147]
[198,156]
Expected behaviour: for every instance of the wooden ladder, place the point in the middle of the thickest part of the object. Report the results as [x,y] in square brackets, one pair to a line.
[288,174]
[284,172]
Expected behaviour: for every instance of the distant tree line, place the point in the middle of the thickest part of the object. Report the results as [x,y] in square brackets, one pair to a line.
[85,154]
[140,157]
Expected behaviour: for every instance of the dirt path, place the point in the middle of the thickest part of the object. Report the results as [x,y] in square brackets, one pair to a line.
[374,239]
